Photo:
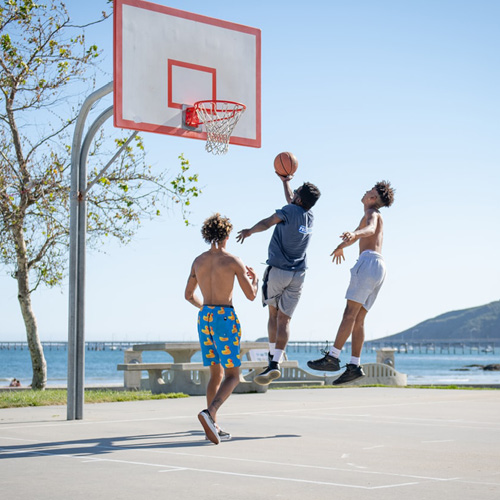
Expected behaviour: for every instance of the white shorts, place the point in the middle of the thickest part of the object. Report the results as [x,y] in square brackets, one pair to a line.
[282,289]
[367,277]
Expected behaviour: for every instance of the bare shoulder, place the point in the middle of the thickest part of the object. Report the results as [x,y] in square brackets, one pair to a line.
[372,213]
[234,260]
[200,259]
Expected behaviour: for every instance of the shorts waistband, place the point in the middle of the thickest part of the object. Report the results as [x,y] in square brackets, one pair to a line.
[218,305]
[371,252]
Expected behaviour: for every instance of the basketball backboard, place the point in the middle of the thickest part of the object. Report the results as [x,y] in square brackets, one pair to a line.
[167,59]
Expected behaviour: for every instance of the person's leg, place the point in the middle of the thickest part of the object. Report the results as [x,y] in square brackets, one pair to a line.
[231,380]
[358,333]
[272,372]
[330,362]
[272,324]
[208,417]
[283,330]
[353,369]
[216,377]
[351,311]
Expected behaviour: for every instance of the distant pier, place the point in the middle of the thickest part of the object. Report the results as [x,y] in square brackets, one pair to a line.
[475,347]
[62,346]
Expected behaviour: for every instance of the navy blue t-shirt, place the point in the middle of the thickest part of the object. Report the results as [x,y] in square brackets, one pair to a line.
[287,249]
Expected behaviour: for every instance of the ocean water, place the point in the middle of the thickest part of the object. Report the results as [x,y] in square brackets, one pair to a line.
[100,366]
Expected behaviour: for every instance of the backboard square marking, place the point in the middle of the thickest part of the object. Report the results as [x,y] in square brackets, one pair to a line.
[188,83]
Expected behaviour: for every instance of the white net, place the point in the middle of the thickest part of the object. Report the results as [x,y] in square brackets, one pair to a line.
[220,118]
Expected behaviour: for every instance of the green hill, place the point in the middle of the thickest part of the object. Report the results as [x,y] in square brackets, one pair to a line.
[477,324]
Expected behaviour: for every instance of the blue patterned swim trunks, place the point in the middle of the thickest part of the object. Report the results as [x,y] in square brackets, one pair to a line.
[219,331]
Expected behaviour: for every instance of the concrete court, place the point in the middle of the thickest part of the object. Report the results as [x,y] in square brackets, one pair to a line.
[347,443]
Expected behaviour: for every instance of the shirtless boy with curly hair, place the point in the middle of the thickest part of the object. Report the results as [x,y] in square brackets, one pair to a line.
[219,329]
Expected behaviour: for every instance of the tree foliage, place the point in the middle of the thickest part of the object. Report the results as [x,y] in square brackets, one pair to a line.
[46,65]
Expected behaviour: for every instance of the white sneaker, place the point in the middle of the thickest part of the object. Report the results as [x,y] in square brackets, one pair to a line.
[208,424]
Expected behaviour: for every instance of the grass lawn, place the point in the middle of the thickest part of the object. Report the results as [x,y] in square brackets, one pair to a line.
[49,397]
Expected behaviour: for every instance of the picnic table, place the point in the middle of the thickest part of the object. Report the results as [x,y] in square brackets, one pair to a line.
[182,352]
[183,375]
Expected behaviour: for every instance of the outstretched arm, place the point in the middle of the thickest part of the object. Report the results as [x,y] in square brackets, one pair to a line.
[191,285]
[262,225]
[350,237]
[286,186]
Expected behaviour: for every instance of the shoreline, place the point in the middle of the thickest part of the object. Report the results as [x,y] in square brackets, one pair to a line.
[120,387]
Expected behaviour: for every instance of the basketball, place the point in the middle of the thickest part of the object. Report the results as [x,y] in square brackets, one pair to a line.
[286,164]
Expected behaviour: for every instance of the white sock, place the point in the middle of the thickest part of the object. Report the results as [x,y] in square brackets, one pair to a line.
[278,353]
[334,352]
[355,361]
[272,348]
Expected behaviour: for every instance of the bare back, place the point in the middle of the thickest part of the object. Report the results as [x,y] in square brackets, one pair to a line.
[215,272]
[373,242]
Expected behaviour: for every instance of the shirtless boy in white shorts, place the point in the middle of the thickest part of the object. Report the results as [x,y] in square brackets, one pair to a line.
[367,277]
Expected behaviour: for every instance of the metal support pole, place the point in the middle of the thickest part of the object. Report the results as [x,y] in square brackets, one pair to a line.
[76,336]
[78,236]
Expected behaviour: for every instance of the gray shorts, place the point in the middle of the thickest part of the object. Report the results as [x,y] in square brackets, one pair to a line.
[367,277]
[282,289]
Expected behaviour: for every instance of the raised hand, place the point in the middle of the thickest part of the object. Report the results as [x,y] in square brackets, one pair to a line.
[244,233]
[338,255]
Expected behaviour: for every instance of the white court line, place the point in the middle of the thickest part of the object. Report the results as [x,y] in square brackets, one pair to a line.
[440,441]
[462,424]
[19,439]
[211,471]
[333,409]
[254,461]
[357,466]
[305,466]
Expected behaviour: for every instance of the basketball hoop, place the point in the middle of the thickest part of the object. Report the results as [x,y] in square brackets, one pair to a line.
[219,118]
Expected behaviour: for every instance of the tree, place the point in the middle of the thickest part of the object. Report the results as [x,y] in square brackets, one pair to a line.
[45,63]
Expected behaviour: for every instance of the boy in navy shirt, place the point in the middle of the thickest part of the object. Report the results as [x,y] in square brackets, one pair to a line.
[285,274]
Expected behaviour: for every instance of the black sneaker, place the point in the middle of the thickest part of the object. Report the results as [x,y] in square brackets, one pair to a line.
[223,435]
[272,372]
[352,372]
[325,364]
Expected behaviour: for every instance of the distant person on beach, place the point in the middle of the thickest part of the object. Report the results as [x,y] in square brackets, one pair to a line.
[367,277]
[219,329]
[286,267]
[15,383]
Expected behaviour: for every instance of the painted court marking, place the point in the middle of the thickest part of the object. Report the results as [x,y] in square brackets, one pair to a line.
[389,480]
[214,471]
[317,411]
[232,459]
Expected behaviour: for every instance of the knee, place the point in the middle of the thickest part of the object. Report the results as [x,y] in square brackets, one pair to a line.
[283,319]
[232,375]
[216,376]
[349,315]
[359,321]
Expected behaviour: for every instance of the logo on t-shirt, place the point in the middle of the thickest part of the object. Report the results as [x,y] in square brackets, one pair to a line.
[305,230]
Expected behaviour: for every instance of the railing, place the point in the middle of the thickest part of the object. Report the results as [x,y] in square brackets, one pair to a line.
[425,347]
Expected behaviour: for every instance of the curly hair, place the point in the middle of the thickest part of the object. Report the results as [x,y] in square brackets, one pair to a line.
[386,193]
[216,228]
[309,195]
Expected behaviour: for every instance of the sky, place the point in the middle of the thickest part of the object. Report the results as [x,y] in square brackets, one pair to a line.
[359,91]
